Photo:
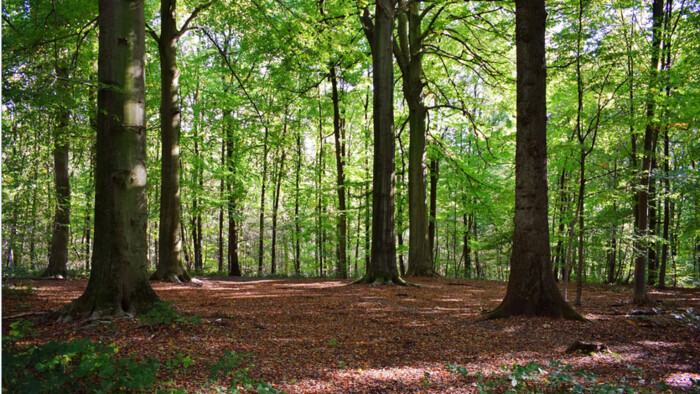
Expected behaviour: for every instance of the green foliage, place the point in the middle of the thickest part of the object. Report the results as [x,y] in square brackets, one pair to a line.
[179,364]
[333,342]
[76,366]
[164,314]
[20,329]
[237,366]
[557,377]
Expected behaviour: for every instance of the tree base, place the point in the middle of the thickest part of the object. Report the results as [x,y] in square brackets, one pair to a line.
[172,277]
[99,302]
[562,311]
[426,273]
[376,279]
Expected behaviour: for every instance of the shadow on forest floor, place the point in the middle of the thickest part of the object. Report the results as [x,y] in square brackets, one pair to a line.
[325,335]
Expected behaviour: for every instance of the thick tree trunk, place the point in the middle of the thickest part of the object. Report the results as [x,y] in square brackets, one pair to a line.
[531,286]
[170,267]
[410,55]
[58,254]
[382,266]
[118,282]
[341,266]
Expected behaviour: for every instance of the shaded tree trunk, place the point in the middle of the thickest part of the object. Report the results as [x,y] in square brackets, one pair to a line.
[118,282]
[382,266]
[409,55]
[233,265]
[58,254]
[275,208]
[434,176]
[261,227]
[170,266]
[642,230]
[341,267]
[221,208]
[531,286]
[297,224]
[667,214]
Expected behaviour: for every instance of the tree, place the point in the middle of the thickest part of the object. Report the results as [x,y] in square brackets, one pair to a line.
[58,255]
[651,132]
[382,265]
[341,264]
[531,286]
[409,55]
[118,282]
[170,266]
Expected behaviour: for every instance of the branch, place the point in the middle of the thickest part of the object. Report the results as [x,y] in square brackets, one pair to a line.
[152,33]
[200,8]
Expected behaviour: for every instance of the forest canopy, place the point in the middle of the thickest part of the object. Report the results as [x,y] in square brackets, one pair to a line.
[260,151]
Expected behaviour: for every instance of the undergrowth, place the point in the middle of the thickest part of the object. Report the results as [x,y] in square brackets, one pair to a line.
[557,377]
[81,365]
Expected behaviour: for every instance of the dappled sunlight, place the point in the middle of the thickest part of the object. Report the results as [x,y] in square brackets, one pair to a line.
[311,335]
[682,379]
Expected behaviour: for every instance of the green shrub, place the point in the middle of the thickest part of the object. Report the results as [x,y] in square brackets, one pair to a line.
[237,365]
[164,314]
[76,366]
[533,377]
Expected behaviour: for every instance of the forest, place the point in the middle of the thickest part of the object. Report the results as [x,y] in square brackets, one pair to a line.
[221,188]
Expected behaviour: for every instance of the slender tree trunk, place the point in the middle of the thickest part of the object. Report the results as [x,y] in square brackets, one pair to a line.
[434,176]
[233,265]
[58,254]
[297,224]
[319,189]
[531,286]
[341,268]
[667,214]
[275,208]
[652,265]
[477,264]
[466,249]
[261,227]
[118,282]
[221,208]
[640,294]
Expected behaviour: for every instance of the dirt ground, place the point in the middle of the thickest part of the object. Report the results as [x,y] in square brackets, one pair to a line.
[326,335]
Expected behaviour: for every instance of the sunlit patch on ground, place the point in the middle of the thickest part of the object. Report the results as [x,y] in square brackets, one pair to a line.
[309,335]
[682,379]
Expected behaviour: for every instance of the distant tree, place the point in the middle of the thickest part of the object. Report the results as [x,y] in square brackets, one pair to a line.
[118,282]
[531,286]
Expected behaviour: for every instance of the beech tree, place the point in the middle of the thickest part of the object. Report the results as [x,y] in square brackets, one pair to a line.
[531,286]
[382,265]
[118,282]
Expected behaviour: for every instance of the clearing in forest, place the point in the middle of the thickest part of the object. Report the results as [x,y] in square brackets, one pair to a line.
[325,335]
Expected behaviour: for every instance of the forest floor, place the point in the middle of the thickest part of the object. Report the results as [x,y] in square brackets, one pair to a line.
[326,335]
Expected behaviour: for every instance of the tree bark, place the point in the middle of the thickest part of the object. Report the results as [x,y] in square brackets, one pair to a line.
[297,224]
[382,266]
[261,227]
[275,208]
[531,287]
[640,296]
[232,265]
[409,53]
[58,254]
[434,176]
[170,267]
[667,214]
[341,266]
[118,282]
